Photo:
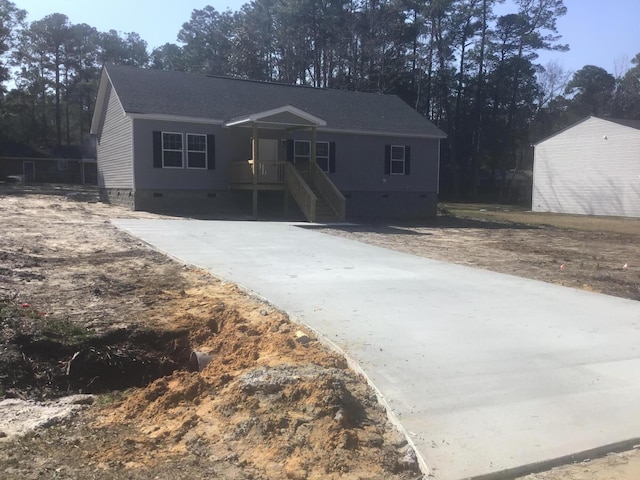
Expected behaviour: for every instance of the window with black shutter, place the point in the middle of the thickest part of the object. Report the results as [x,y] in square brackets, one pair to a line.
[397,160]
[180,150]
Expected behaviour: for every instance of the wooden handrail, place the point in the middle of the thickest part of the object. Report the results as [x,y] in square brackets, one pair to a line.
[302,194]
[329,191]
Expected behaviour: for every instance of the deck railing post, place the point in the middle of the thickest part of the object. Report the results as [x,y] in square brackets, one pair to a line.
[314,141]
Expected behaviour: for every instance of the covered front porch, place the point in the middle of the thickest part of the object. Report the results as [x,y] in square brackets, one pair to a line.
[296,175]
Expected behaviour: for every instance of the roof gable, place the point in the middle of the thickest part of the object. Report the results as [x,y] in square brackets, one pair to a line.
[104,90]
[635,124]
[159,92]
[283,116]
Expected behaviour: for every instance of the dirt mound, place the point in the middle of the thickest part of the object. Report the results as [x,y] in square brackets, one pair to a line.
[274,405]
[106,312]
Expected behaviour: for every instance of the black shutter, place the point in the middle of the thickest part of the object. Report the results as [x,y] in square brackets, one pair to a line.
[387,159]
[290,151]
[332,157]
[157,149]
[407,159]
[211,152]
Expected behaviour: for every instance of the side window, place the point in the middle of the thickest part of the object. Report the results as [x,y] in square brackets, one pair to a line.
[196,151]
[171,150]
[397,160]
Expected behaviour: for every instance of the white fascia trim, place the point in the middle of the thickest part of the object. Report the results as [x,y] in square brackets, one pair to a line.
[100,102]
[382,134]
[256,117]
[173,118]
[241,121]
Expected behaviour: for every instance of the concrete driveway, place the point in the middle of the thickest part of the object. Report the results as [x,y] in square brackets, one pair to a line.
[486,372]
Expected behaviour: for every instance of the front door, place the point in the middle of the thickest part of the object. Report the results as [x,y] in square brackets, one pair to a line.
[268,150]
[269,171]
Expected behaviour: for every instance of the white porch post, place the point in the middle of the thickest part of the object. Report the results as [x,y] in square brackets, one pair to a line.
[314,138]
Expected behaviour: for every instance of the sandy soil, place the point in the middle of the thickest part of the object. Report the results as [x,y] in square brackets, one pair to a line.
[605,260]
[615,466]
[273,403]
[78,295]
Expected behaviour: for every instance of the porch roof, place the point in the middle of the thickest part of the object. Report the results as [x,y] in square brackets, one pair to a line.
[287,116]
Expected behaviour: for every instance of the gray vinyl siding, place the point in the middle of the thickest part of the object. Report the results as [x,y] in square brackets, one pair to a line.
[360,162]
[148,177]
[359,170]
[359,158]
[369,191]
[115,163]
[592,168]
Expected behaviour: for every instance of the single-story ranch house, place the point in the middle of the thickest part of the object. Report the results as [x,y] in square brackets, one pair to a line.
[590,168]
[173,140]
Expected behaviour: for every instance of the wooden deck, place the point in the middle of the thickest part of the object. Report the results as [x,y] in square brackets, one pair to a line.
[312,190]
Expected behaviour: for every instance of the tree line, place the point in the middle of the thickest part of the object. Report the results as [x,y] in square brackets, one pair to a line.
[474,73]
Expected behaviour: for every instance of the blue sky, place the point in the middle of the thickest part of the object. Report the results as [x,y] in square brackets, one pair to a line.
[599,33]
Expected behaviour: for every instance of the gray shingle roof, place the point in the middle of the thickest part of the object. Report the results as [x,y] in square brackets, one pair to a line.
[150,91]
[624,121]
[620,121]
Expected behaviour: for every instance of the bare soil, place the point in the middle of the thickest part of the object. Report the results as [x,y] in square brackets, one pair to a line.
[85,308]
[591,253]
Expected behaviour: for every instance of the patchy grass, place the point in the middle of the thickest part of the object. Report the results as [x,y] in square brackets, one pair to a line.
[519,215]
[64,330]
[24,319]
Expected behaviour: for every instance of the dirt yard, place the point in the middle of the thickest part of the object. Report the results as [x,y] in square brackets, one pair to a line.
[84,308]
[597,254]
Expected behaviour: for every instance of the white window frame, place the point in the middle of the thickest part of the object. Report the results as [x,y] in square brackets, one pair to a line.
[173,150]
[205,151]
[301,157]
[397,160]
[308,157]
[327,156]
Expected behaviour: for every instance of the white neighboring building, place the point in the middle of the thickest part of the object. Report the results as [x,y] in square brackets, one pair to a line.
[590,168]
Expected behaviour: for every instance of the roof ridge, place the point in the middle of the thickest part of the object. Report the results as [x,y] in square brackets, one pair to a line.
[200,95]
[248,80]
[265,82]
